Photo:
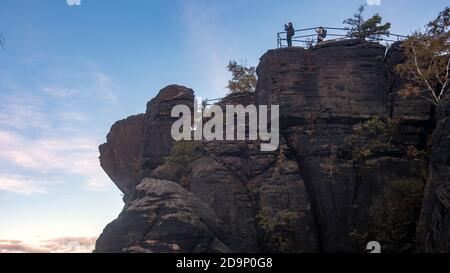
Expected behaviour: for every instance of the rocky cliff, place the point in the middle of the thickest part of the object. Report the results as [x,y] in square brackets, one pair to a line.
[354,155]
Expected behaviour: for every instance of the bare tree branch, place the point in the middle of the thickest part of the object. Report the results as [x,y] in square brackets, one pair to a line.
[444,86]
[428,99]
[422,76]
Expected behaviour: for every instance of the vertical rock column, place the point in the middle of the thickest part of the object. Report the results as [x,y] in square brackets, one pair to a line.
[434,227]
[156,139]
[323,92]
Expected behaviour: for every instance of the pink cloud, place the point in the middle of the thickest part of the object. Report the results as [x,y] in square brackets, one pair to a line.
[56,245]
[69,155]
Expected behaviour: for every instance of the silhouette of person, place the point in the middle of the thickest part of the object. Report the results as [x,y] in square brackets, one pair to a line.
[290,32]
[321,34]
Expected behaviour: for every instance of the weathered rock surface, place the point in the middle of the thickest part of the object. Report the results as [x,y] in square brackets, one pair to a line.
[156,140]
[324,93]
[246,187]
[434,228]
[415,113]
[120,156]
[138,144]
[308,196]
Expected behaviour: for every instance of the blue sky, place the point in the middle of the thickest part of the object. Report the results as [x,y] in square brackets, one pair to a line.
[69,72]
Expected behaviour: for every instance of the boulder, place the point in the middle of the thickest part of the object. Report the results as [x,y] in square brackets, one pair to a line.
[164,217]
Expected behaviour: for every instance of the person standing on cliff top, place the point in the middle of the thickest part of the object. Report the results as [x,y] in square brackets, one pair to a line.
[289,28]
[321,34]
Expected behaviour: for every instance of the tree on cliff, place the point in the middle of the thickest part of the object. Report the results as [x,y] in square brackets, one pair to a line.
[360,28]
[427,63]
[243,77]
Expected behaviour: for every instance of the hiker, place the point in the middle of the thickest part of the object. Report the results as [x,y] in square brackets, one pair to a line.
[321,34]
[289,33]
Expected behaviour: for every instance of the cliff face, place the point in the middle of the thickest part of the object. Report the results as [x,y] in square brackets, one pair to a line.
[434,228]
[120,155]
[138,144]
[313,194]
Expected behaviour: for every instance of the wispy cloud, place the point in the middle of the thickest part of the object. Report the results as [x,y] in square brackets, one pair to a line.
[44,156]
[57,245]
[211,50]
[20,185]
[23,111]
[88,83]
[43,135]
[59,92]
[104,86]
[73,116]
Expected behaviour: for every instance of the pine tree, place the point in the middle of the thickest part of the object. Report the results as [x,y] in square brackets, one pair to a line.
[360,28]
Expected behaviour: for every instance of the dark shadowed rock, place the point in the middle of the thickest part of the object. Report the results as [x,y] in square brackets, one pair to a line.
[324,93]
[157,141]
[343,80]
[213,183]
[434,228]
[164,217]
[415,113]
[138,144]
[308,196]
[244,185]
[170,171]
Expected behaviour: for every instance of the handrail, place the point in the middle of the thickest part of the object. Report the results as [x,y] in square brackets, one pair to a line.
[308,39]
[234,95]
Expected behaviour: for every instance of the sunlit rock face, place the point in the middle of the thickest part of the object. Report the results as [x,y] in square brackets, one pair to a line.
[120,156]
[311,195]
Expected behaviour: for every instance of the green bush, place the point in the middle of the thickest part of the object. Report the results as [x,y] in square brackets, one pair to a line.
[183,152]
[372,135]
[279,228]
[395,214]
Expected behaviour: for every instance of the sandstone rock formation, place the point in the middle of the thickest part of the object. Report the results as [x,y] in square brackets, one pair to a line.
[156,140]
[164,217]
[120,156]
[138,144]
[314,194]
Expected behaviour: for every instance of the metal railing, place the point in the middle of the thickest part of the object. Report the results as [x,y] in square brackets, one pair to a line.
[308,37]
[208,102]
